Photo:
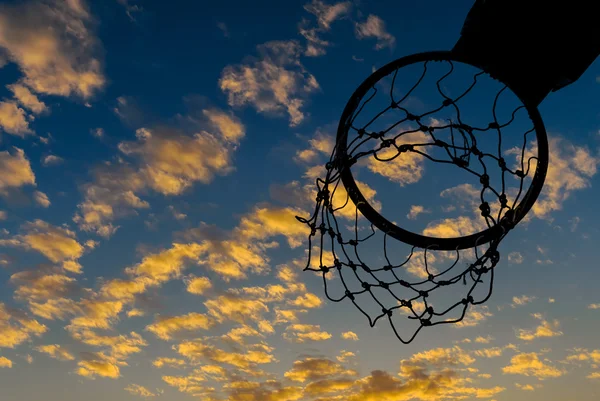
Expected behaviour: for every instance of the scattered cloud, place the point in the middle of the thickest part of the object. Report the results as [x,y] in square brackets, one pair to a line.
[56,351]
[27,99]
[545,329]
[41,199]
[522,300]
[374,27]
[13,119]
[349,335]
[141,391]
[5,362]
[15,170]
[515,258]
[273,83]
[529,364]
[166,327]
[52,160]
[300,333]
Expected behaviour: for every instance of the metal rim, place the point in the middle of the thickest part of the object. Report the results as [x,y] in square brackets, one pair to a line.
[421,241]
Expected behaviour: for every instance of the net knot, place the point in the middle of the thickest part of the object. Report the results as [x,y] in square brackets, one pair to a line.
[366,286]
[365,268]
[405,148]
[352,265]
[460,162]
[394,105]
[447,102]
[405,303]
[485,209]
[430,310]
[485,180]
[493,255]
[361,132]
[386,311]
[426,322]
[387,268]
[352,242]
[520,173]
[493,125]
[331,232]
[322,228]
[350,295]
[475,151]
[440,143]
[430,277]
[325,269]
[411,117]
[404,283]
[337,263]
[386,143]
[502,163]
[503,200]
[424,294]
[384,285]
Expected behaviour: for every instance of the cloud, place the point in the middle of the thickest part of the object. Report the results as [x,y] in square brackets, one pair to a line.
[326,14]
[474,317]
[416,210]
[349,335]
[58,244]
[41,199]
[52,160]
[15,328]
[5,362]
[489,352]
[169,362]
[273,83]
[312,369]
[141,391]
[522,300]
[119,347]
[166,327]
[300,333]
[27,99]
[515,258]
[13,119]
[571,169]
[15,170]
[235,308]
[39,285]
[405,169]
[594,306]
[374,27]
[166,160]
[529,364]
[56,351]
[545,329]
[198,285]
[53,45]
[97,364]
[525,387]
[195,350]
[96,314]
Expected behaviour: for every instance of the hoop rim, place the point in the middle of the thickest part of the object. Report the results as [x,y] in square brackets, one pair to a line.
[411,238]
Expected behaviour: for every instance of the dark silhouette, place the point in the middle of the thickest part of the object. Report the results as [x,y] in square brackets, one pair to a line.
[535,46]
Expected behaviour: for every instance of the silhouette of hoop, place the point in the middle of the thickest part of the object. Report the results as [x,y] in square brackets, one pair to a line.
[449,244]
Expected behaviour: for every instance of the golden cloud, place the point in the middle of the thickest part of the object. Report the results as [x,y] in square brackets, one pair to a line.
[313,369]
[120,346]
[26,98]
[529,364]
[53,45]
[98,364]
[96,314]
[167,161]
[300,333]
[349,335]
[169,362]
[274,83]
[198,285]
[374,27]
[5,362]
[194,351]
[56,351]
[141,391]
[15,170]
[545,329]
[235,308]
[55,308]
[165,327]
[405,169]
[13,119]
[16,328]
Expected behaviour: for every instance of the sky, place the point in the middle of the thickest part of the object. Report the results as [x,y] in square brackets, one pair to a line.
[153,157]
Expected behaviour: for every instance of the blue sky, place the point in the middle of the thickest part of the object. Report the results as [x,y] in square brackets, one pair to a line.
[153,156]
